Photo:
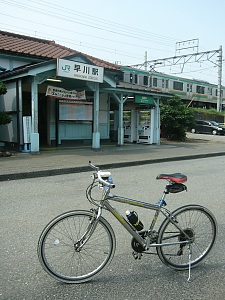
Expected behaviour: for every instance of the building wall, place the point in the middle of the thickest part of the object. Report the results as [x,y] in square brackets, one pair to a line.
[8,103]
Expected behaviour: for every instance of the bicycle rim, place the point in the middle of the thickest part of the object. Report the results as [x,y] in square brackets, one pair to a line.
[196,221]
[58,254]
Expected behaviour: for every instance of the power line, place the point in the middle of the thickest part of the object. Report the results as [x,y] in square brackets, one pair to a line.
[93,22]
[125,31]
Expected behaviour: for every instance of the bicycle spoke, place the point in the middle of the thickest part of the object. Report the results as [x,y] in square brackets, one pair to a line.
[60,256]
[199,225]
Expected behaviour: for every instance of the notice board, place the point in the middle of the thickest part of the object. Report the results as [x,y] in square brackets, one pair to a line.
[71,111]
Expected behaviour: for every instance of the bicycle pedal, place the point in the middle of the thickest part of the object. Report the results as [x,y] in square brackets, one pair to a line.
[136,255]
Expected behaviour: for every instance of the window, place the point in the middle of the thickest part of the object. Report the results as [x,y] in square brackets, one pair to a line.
[167,83]
[145,80]
[135,78]
[200,89]
[163,83]
[154,81]
[189,87]
[177,85]
[131,77]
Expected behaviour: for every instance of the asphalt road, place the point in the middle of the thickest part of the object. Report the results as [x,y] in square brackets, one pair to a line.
[206,137]
[26,206]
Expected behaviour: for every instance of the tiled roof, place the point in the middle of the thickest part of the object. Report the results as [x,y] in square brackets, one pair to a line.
[43,49]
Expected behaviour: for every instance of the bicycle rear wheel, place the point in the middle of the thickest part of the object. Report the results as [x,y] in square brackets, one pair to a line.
[199,224]
[59,252]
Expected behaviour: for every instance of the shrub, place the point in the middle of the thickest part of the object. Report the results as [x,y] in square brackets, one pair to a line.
[4,118]
[176,118]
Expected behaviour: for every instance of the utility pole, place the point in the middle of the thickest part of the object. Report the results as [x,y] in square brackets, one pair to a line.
[219,96]
[146,60]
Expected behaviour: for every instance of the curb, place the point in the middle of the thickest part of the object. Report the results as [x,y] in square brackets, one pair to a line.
[63,171]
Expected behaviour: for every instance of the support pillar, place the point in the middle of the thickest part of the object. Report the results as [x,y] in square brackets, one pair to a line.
[96,133]
[121,128]
[155,124]
[34,116]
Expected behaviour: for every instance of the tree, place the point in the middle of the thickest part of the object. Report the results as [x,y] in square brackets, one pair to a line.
[176,118]
[4,117]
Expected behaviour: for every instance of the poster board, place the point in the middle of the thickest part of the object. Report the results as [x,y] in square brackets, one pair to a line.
[75,111]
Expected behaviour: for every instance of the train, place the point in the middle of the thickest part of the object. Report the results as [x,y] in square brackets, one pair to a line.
[193,92]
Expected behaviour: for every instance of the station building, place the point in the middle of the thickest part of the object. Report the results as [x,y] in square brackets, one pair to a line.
[58,96]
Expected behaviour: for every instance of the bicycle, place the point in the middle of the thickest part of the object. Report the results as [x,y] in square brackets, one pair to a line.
[77,245]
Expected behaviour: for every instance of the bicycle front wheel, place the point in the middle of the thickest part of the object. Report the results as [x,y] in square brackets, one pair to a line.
[60,254]
[199,224]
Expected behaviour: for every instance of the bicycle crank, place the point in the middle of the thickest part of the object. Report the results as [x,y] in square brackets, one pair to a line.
[138,248]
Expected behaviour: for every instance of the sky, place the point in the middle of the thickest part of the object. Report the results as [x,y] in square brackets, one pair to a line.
[127,32]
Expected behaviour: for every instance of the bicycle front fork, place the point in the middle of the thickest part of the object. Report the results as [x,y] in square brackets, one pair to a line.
[90,229]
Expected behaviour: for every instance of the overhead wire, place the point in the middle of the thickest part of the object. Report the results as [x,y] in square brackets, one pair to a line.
[65,14]
[123,31]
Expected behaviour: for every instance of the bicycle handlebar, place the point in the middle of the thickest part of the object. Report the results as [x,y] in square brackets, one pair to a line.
[93,166]
[102,174]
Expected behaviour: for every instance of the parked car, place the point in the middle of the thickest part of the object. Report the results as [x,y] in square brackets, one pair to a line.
[211,127]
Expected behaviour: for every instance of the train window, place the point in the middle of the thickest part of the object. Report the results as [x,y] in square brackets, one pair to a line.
[131,77]
[200,89]
[167,83]
[178,86]
[135,78]
[154,82]
[145,80]
[126,77]
[189,87]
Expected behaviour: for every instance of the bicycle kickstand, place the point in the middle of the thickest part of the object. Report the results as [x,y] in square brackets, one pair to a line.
[190,256]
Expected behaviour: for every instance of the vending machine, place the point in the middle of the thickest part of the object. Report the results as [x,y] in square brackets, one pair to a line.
[143,126]
[127,125]
[130,126]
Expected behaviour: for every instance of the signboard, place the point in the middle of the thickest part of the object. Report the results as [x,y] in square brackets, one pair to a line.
[71,111]
[78,70]
[143,99]
[57,92]
[26,129]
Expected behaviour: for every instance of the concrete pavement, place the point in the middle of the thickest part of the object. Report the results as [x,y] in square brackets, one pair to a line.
[64,160]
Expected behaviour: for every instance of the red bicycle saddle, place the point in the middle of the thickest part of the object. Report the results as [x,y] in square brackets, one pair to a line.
[176,177]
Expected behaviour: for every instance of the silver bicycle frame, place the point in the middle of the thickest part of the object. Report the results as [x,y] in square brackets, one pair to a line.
[157,207]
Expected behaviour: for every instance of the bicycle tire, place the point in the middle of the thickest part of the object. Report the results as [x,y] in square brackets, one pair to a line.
[200,224]
[57,253]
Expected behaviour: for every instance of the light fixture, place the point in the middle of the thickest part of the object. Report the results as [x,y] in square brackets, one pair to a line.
[54,79]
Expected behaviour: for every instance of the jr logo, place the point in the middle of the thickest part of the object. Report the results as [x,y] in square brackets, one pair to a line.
[66,68]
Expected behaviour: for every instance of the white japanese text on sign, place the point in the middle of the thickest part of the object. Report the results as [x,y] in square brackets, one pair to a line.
[78,70]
